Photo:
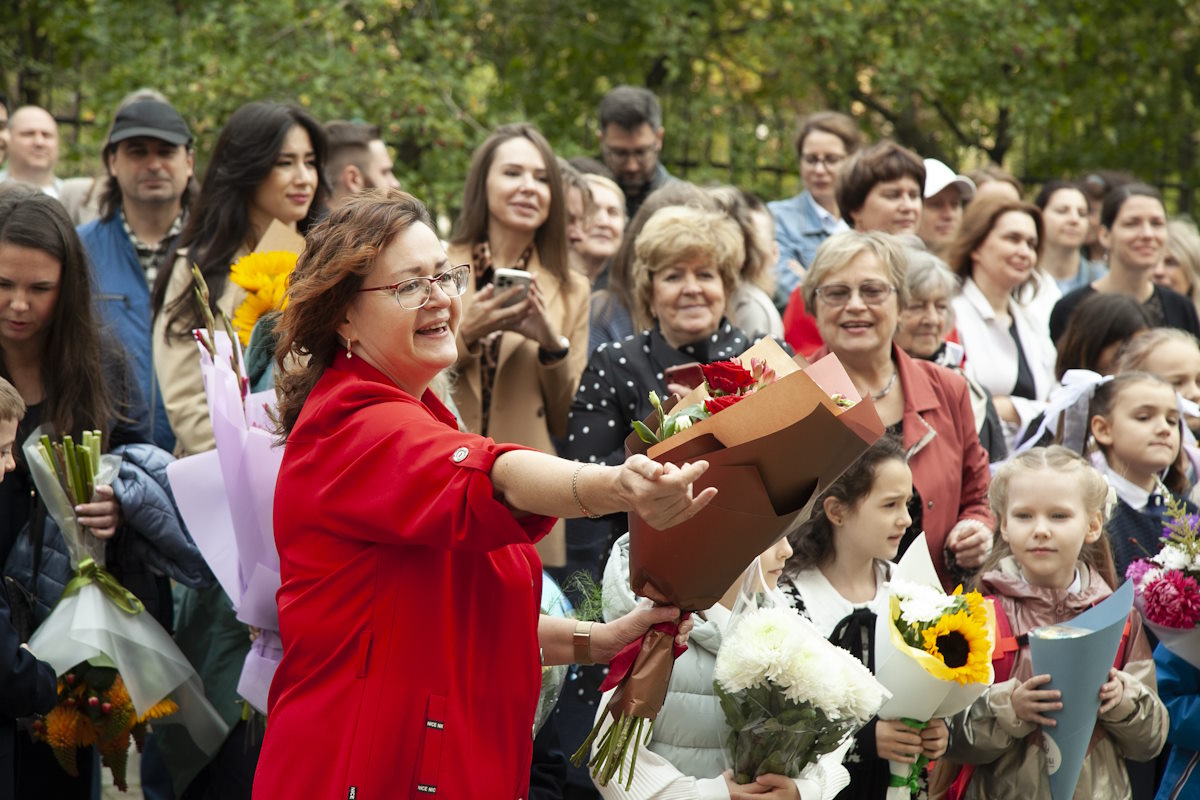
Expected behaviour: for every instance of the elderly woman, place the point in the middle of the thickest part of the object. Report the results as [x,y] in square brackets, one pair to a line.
[856,288]
[1180,265]
[410,586]
[878,189]
[924,322]
[519,354]
[1007,349]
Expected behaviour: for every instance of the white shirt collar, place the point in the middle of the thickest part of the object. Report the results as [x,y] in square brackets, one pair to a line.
[829,223]
[1134,496]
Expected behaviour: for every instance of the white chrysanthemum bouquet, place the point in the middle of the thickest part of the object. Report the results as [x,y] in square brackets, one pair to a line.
[789,696]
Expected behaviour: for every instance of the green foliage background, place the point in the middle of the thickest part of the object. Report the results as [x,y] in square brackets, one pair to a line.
[1049,88]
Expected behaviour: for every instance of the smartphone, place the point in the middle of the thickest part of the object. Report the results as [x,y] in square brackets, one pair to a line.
[689,375]
[505,279]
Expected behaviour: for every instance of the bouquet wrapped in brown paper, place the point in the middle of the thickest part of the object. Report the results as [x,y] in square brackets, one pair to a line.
[770,454]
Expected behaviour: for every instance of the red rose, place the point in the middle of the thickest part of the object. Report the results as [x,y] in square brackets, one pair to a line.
[715,404]
[727,377]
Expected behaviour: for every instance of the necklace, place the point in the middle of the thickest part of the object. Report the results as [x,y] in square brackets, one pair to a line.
[883,392]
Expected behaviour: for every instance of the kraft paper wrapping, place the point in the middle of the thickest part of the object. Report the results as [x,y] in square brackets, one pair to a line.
[643,692]
[769,456]
[1077,656]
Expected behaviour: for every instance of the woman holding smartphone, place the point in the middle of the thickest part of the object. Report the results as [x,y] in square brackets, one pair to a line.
[522,349]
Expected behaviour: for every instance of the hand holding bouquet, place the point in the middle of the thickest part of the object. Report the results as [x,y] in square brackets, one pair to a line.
[789,696]
[933,651]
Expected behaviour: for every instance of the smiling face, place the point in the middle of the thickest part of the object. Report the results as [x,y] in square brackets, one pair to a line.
[606,226]
[688,300]
[891,207]
[150,171]
[288,190]
[1008,254]
[410,347]
[1046,525]
[1065,218]
[29,286]
[874,527]
[923,325]
[1138,236]
[858,328]
[1140,437]
[518,187]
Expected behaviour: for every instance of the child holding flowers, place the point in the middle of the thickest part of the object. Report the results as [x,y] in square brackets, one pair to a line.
[684,758]
[838,578]
[1051,563]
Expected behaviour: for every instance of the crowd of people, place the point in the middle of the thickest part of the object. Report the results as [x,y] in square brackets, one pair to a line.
[454,442]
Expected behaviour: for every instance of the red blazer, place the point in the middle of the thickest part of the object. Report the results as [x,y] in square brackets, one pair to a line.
[949,465]
[408,607]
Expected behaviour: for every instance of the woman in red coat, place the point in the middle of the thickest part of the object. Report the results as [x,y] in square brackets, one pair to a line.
[856,289]
[410,586]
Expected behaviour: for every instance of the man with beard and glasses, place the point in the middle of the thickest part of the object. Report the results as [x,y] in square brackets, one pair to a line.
[631,137]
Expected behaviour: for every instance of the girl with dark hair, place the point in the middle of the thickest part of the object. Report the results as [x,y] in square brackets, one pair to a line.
[838,577]
[1135,422]
[1133,227]
[266,166]
[520,352]
[1064,209]
[70,377]
[1097,331]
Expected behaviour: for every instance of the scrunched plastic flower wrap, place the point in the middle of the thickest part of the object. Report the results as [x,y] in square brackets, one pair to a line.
[99,624]
[933,651]
[789,696]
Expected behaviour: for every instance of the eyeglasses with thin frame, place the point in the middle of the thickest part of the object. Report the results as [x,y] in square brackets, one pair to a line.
[873,293]
[829,162]
[621,155]
[414,293]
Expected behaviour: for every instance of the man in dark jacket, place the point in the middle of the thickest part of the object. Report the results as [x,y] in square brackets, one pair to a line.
[149,159]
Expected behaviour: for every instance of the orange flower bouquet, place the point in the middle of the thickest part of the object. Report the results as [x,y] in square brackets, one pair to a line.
[94,708]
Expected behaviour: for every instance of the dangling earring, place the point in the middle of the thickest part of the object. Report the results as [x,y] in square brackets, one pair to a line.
[348,353]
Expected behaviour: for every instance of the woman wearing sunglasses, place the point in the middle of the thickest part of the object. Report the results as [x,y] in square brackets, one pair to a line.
[856,288]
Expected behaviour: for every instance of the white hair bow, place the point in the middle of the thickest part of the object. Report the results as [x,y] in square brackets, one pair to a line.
[1070,400]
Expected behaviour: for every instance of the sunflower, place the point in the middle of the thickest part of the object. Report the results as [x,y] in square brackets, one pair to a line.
[960,641]
[264,276]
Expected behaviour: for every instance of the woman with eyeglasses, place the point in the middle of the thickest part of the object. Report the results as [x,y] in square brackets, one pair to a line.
[520,352]
[1008,347]
[408,607]
[856,288]
[825,139]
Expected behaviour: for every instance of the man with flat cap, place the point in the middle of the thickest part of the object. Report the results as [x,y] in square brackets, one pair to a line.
[143,208]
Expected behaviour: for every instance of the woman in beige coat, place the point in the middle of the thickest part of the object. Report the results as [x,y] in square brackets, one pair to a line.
[520,353]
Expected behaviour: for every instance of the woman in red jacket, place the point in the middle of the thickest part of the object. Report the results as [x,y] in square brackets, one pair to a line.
[410,586]
[856,288]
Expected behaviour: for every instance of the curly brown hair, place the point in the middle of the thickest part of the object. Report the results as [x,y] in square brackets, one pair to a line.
[340,251]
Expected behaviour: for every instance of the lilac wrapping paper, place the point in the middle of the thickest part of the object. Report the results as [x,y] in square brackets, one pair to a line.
[227,499]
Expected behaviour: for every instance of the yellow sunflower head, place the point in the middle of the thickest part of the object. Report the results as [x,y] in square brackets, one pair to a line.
[960,642]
